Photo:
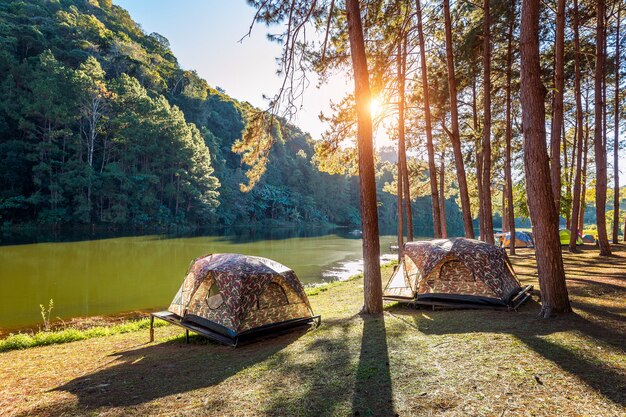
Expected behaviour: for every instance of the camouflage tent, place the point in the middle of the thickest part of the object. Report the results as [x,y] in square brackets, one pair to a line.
[455,272]
[229,297]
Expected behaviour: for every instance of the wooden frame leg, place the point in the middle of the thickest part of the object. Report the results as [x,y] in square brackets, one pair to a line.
[151,329]
[186,336]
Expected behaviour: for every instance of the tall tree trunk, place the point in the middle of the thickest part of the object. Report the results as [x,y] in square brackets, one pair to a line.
[557,106]
[401,135]
[432,169]
[455,136]
[509,128]
[616,131]
[479,186]
[505,217]
[598,140]
[571,171]
[442,193]
[579,133]
[486,148]
[583,193]
[479,165]
[567,169]
[543,213]
[373,302]
[400,164]
[400,214]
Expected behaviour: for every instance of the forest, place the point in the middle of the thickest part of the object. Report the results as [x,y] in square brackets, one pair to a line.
[500,118]
[521,99]
[99,125]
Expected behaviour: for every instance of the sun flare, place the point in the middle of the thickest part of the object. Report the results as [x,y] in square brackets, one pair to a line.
[376,106]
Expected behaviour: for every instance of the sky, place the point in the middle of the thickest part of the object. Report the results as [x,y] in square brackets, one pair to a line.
[204,35]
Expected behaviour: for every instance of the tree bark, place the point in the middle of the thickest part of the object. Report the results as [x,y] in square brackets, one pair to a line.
[583,193]
[567,170]
[543,213]
[486,143]
[373,303]
[400,164]
[442,204]
[505,217]
[557,105]
[479,186]
[401,136]
[598,140]
[579,133]
[479,165]
[509,130]
[455,136]
[616,131]
[432,169]
[399,213]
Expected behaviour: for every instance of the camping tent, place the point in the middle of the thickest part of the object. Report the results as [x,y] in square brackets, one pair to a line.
[564,235]
[455,272]
[522,240]
[229,297]
[589,239]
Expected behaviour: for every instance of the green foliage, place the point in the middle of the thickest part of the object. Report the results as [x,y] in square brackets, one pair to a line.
[100,126]
[88,134]
[45,314]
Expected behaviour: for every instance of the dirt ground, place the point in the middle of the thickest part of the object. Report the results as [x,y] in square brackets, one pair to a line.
[406,362]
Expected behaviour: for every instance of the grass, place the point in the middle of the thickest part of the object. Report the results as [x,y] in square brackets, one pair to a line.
[44,338]
[405,362]
[83,330]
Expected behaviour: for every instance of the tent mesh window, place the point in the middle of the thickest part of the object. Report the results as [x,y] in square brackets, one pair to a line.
[214,298]
[273,296]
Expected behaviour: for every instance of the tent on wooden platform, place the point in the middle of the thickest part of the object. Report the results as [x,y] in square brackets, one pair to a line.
[230,297]
[456,273]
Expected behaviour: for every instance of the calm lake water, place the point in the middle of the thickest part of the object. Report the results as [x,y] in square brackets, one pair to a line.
[113,275]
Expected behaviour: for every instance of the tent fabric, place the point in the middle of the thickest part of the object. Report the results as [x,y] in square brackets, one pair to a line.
[454,269]
[564,236]
[522,240]
[239,293]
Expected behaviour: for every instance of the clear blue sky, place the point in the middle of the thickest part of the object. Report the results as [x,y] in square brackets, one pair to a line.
[204,35]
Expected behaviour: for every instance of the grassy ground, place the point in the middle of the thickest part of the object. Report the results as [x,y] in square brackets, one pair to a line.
[406,362]
[72,334]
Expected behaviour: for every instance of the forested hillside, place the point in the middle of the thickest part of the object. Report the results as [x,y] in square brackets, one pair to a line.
[100,125]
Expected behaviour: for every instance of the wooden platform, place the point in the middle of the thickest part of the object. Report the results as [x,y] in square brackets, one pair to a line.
[514,304]
[227,340]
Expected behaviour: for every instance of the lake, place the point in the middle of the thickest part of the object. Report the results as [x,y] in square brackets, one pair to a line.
[105,276]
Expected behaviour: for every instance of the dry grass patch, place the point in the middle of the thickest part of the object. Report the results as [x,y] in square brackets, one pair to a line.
[406,362]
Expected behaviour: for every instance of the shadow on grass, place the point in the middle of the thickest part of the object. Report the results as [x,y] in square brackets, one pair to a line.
[154,371]
[532,332]
[373,394]
[326,368]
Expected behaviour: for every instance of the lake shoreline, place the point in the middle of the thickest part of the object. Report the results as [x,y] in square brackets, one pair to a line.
[107,323]
[121,275]
[405,361]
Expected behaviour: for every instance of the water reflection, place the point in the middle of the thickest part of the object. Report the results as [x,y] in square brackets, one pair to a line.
[111,275]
